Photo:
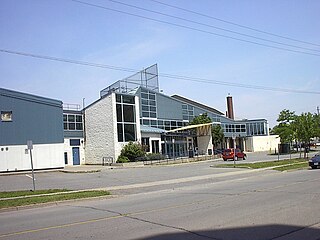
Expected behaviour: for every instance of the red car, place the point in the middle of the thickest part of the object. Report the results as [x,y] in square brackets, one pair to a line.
[228,154]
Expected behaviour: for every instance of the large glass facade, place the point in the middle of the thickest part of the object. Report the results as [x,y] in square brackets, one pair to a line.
[126,121]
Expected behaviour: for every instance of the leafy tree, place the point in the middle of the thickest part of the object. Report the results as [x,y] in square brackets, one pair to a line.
[201,119]
[217,135]
[285,129]
[306,127]
[131,151]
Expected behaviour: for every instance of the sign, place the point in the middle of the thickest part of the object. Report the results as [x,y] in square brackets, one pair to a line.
[30,144]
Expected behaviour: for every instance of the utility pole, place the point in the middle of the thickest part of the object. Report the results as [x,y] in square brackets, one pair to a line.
[318,110]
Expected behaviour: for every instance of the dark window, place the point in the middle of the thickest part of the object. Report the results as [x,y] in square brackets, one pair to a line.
[64,117]
[145,108]
[128,99]
[72,126]
[128,113]
[153,115]
[145,114]
[78,118]
[79,126]
[152,96]
[129,132]
[145,122]
[65,126]
[146,144]
[65,158]
[118,98]
[120,132]
[119,113]
[71,118]
[144,95]
[74,142]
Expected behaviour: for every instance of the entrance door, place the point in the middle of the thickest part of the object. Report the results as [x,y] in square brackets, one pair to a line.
[155,146]
[76,156]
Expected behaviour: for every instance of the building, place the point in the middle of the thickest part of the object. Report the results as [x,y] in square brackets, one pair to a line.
[134,109]
[27,117]
[73,126]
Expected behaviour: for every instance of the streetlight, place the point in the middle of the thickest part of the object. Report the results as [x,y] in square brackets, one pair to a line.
[174,158]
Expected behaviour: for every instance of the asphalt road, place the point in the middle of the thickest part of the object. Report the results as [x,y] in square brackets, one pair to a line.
[247,205]
[119,177]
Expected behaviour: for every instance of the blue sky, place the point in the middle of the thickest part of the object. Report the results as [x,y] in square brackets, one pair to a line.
[71,30]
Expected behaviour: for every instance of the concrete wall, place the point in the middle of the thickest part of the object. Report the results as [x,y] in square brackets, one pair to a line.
[14,157]
[101,130]
[262,143]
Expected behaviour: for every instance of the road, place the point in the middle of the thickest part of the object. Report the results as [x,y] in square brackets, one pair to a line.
[119,177]
[237,205]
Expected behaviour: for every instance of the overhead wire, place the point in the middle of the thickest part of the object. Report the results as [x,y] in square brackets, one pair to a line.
[192,28]
[235,24]
[165,75]
[211,26]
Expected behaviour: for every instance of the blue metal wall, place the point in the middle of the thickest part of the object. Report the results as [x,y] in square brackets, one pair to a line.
[33,118]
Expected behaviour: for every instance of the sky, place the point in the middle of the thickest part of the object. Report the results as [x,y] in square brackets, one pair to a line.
[216,43]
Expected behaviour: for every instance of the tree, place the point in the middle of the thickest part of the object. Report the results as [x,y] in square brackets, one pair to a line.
[217,135]
[131,151]
[285,129]
[306,126]
[201,119]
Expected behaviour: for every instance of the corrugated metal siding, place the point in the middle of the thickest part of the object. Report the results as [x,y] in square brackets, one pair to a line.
[33,118]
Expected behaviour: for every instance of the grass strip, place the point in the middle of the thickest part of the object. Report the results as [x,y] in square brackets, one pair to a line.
[293,162]
[50,198]
[297,166]
[29,193]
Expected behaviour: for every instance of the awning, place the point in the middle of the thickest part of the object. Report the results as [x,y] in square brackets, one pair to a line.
[193,126]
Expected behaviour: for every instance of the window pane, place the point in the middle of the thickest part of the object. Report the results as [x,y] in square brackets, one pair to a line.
[144,102]
[118,98]
[65,126]
[152,103]
[120,132]
[64,117]
[129,132]
[79,126]
[145,122]
[152,96]
[144,95]
[119,113]
[153,115]
[72,126]
[78,118]
[128,99]
[153,109]
[145,108]
[71,118]
[145,114]
[128,113]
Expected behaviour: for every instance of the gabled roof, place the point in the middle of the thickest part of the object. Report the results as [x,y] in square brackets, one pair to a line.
[199,105]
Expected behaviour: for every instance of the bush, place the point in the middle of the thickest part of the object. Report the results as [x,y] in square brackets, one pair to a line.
[154,156]
[122,159]
[132,151]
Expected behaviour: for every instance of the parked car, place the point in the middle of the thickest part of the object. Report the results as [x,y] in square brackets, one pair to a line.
[229,153]
[314,162]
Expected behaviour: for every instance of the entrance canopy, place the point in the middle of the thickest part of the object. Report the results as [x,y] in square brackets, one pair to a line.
[202,129]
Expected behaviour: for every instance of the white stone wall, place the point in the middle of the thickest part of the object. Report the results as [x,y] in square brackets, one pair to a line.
[15,158]
[68,150]
[101,130]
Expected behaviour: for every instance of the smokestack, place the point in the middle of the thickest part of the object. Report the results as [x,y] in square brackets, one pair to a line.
[230,107]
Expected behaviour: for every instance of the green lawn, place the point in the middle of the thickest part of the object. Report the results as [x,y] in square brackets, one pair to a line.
[279,165]
[29,199]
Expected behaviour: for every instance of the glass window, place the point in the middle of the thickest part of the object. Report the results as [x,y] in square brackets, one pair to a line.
[119,113]
[145,114]
[145,108]
[184,107]
[153,109]
[72,126]
[160,122]
[144,95]
[128,113]
[78,118]
[152,96]
[154,122]
[129,132]
[128,99]
[145,122]
[71,118]
[79,126]
[153,115]
[120,132]
[118,98]
[74,142]
[65,117]
[152,103]
[144,102]
[65,126]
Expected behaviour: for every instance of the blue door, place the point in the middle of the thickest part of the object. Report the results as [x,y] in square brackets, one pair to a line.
[76,156]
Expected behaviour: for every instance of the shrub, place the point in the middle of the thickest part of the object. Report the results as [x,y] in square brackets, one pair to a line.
[122,159]
[154,156]
[132,151]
